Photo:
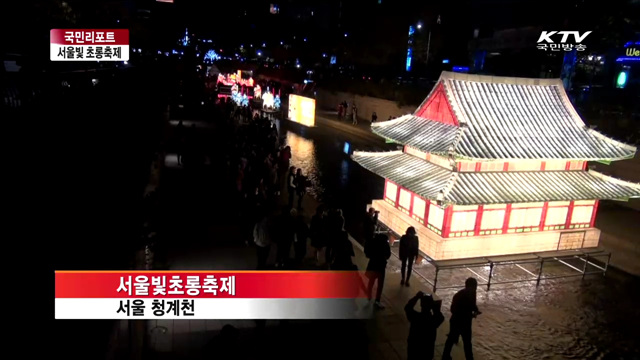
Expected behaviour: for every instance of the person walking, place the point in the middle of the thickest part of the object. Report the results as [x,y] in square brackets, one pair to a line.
[378,251]
[463,311]
[374,117]
[354,114]
[424,325]
[318,233]
[291,184]
[262,239]
[408,253]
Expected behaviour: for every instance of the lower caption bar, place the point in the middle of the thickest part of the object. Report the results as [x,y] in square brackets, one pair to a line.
[221,308]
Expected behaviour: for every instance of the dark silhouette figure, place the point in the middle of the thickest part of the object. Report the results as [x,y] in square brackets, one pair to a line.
[342,251]
[408,252]
[318,233]
[424,325]
[378,251]
[301,186]
[463,310]
[301,236]
[291,184]
[285,236]
[262,239]
[374,117]
[225,345]
[369,226]
[334,227]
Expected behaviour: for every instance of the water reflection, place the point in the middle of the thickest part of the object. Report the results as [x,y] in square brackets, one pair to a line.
[303,156]
[344,173]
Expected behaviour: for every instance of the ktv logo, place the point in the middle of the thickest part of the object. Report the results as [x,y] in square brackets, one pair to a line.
[545,41]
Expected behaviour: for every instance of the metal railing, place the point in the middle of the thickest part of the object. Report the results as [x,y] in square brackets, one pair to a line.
[590,262]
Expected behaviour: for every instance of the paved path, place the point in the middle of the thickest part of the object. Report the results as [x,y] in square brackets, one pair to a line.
[202,240]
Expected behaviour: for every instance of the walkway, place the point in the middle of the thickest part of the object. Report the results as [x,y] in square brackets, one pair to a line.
[201,237]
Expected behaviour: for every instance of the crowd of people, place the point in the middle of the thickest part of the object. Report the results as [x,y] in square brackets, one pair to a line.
[269,193]
[269,196]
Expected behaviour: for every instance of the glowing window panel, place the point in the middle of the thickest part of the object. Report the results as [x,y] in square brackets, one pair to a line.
[492,219]
[556,216]
[405,199]
[463,221]
[436,216]
[525,217]
[392,191]
[419,207]
[581,214]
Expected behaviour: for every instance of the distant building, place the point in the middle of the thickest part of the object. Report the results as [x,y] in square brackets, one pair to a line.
[513,52]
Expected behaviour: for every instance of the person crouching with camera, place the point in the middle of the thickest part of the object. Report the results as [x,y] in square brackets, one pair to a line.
[424,326]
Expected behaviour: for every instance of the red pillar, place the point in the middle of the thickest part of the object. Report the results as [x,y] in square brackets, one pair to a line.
[569,214]
[507,215]
[448,213]
[384,194]
[543,218]
[411,205]
[476,229]
[478,166]
[593,215]
[543,165]
[505,167]
[398,196]
[427,206]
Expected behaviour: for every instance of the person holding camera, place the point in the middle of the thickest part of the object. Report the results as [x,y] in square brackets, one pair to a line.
[424,326]
[370,223]
[463,311]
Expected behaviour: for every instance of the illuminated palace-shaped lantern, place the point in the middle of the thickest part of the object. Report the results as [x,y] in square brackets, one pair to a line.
[495,166]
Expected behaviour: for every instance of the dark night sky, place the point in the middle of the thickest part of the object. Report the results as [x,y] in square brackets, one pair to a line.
[31,19]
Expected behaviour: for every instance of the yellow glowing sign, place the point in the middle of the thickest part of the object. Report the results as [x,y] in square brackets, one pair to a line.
[302,110]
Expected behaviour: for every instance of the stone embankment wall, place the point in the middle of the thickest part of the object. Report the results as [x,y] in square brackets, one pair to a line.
[327,100]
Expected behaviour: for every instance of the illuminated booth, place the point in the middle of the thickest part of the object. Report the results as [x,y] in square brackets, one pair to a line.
[495,166]
[237,87]
[302,110]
